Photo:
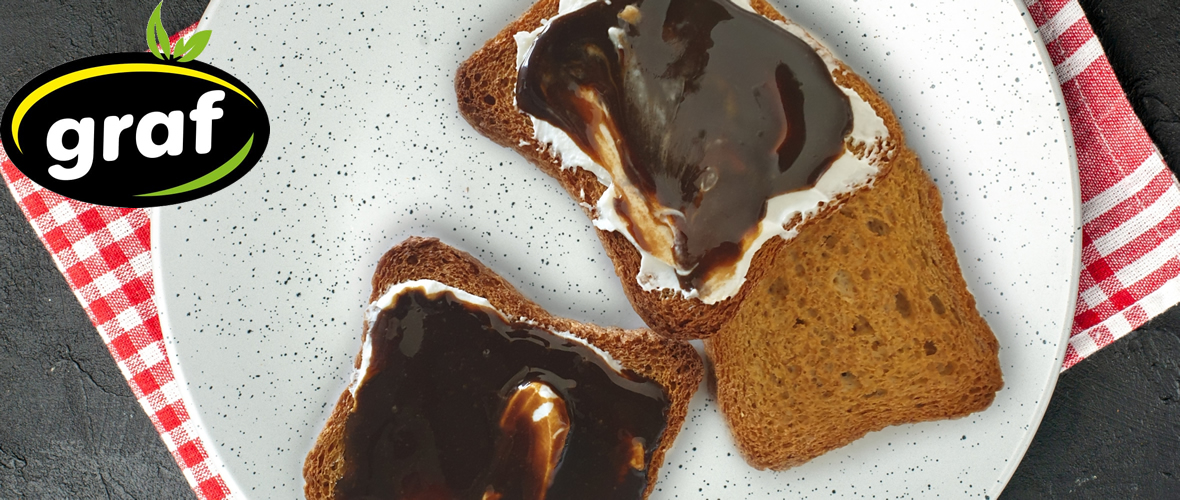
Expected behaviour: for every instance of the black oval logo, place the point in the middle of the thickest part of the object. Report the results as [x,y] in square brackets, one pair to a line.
[131,130]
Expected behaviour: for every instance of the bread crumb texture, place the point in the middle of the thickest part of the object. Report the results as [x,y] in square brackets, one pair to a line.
[871,326]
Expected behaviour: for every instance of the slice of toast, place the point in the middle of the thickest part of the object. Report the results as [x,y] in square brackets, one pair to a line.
[871,326]
[675,366]
[485,84]
[860,322]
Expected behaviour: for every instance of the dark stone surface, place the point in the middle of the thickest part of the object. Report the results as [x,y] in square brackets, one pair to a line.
[1113,427]
[1142,41]
[69,427]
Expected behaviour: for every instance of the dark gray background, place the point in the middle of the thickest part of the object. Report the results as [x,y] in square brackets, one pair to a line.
[70,428]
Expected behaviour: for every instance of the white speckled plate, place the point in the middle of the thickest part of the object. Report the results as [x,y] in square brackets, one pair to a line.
[265,282]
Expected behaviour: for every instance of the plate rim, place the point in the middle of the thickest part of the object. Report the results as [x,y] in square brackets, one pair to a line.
[1071,306]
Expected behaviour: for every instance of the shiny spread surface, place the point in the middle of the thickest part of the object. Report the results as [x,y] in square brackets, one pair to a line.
[458,403]
[700,110]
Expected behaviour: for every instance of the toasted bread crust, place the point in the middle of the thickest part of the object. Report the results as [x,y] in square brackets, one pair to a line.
[674,366]
[485,84]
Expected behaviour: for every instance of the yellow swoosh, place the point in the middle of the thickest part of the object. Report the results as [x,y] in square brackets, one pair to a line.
[109,69]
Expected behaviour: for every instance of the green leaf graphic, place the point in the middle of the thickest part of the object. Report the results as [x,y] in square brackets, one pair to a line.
[152,31]
[195,45]
[162,36]
[179,49]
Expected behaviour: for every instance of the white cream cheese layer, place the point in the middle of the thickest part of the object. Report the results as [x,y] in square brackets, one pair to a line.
[433,289]
[847,174]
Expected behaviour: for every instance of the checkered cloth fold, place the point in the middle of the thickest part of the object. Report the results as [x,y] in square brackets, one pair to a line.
[105,255]
[1130,202]
[1130,257]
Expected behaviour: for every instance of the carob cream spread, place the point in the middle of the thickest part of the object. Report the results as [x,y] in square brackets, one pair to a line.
[701,111]
[455,402]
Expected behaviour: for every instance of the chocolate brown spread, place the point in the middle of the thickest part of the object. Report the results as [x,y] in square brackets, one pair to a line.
[707,110]
[456,403]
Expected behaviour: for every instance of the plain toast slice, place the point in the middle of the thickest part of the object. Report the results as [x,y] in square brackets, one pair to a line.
[871,326]
[674,366]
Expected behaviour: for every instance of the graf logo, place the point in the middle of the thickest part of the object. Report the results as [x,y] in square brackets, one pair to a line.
[136,129]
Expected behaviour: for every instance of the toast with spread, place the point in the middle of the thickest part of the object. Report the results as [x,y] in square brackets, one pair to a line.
[806,245]
[466,389]
[675,302]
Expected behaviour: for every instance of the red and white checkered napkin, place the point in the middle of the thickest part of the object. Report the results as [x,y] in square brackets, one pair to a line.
[1130,202]
[105,255]
[1130,211]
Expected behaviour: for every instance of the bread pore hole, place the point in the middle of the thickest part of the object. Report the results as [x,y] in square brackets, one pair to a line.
[939,308]
[779,288]
[849,380]
[489,100]
[878,227]
[862,325]
[931,349]
[903,304]
[843,283]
